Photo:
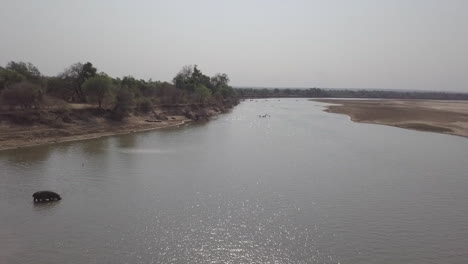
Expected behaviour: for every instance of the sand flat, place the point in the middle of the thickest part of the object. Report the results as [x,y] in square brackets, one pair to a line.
[448,117]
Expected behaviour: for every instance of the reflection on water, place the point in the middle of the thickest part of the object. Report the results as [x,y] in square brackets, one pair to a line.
[217,229]
[20,156]
[127,141]
[303,186]
[45,206]
[94,146]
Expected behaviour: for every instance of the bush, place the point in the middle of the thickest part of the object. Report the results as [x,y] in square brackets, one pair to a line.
[24,94]
[125,100]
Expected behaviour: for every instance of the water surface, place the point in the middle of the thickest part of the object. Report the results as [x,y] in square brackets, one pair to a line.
[303,186]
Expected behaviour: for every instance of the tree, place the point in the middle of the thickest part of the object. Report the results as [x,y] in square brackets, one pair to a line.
[201,87]
[125,100]
[167,93]
[220,80]
[190,77]
[28,70]
[97,88]
[198,78]
[9,77]
[77,74]
[228,91]
[202,93]
[220,84]
[134,85]
[59,88]
[183,79]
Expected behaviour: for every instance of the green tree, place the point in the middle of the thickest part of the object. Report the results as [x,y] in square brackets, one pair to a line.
[220,79]
[28,70]
[59,88]
[202,93]
[183,79]
[98,88]
[198,78]
[220,84]
[190,77]
[9,77]
[134,85]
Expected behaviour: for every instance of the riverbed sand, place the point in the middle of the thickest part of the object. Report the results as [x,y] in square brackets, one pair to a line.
[448,117]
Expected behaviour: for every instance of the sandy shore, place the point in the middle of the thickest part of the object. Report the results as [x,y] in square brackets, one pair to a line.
[25,136]
[448,117]
[31,127]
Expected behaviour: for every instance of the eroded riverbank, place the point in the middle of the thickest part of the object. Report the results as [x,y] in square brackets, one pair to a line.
[24,129]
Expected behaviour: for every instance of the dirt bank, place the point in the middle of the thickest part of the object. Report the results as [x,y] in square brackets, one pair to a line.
[36,127]
[448,117]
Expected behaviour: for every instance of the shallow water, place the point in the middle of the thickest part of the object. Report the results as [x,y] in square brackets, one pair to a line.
[303,186]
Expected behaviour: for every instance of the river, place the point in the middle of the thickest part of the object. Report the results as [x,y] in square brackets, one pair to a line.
[302,186]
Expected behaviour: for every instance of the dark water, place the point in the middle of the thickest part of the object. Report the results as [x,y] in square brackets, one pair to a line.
[303,186]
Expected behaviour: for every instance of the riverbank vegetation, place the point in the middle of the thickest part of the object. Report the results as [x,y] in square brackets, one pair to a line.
[82,103]
[23,87]
[348,93]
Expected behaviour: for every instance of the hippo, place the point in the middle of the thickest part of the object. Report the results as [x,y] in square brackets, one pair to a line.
[42,196]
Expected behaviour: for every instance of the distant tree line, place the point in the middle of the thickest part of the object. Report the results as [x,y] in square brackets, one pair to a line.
[347,93]
[22,86]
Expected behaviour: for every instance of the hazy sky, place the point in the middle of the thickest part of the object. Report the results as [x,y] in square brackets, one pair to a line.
[391,44]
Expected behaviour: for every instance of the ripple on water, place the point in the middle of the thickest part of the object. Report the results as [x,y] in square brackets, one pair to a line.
[220,230]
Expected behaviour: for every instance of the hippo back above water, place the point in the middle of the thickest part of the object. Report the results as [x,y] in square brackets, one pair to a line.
[43,196]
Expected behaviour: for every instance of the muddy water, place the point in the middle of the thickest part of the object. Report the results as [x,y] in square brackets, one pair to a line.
[303,186]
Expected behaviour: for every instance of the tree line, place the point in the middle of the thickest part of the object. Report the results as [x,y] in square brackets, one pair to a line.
[347,93]
[22,86]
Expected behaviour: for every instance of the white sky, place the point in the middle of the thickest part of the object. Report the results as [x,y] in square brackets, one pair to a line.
[388,44]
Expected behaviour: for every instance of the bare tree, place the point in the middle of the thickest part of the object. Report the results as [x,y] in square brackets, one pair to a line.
[77,74]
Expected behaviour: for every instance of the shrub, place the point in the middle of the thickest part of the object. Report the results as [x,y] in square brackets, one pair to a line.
[125,100]
[24,94]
